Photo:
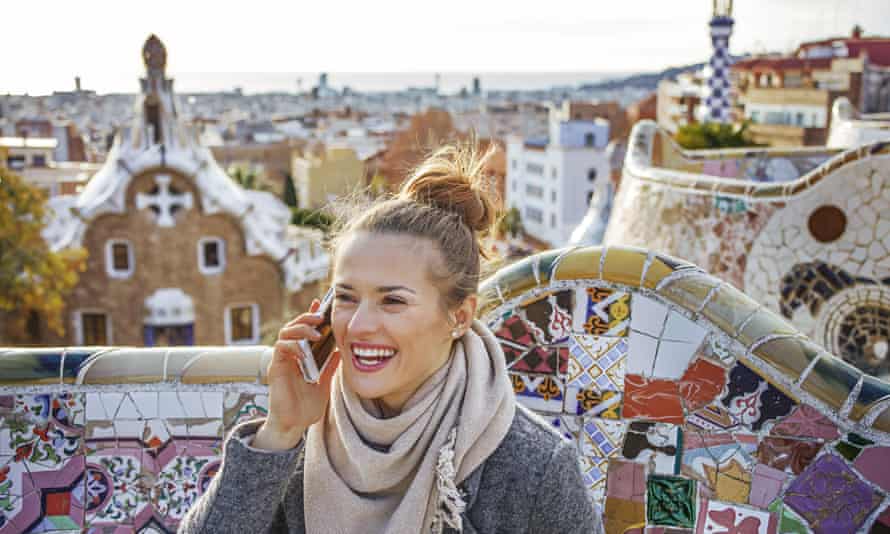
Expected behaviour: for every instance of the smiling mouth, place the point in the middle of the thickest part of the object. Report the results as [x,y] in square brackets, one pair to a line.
[371,359]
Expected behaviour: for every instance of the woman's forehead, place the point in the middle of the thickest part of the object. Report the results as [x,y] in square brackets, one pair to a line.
[383,260]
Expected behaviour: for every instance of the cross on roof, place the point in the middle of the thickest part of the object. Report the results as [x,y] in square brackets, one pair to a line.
[164,202]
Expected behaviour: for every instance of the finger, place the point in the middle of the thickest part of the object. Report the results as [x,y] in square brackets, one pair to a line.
[308,317]
[299,331]
[314,306]
[287,350]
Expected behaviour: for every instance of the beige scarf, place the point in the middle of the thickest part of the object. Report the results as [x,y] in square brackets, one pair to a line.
[406,481]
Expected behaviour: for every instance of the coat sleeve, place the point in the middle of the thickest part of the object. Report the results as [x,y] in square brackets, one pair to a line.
[562,505]
[246,493]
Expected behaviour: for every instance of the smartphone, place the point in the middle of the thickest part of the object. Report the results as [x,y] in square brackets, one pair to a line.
[317,354]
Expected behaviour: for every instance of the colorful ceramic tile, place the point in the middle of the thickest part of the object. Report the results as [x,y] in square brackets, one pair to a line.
[181,474]
[569,426]
[873,464]
[807,422]
[516,337]
[713,417]
[786,454]
[852,446]
[542,360]
[652,399]
[729,518]
[789,521]
[701,384]
[240,407]
[679,343]
[831,497]
[592,403]
[766,485]
[551,315]
[642,349]
[648,315]
[654,444]
[831,380]
[625,497]
[601,438]
[670,501]
[596,362]
[117,488]
[64,409]
[721,462]
[49,500]
[602,311]
[539,393]
[882,524]
[593,475]
[752,400]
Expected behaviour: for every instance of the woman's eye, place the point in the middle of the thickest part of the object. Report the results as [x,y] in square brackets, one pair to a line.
[344,298]
[393,300]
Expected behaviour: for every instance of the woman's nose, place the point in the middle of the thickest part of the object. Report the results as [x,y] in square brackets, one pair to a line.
[363,321]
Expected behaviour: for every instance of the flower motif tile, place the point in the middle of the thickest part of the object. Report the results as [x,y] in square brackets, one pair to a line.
[670,501]
[752,400]
[831,497]
[728,518]
[596,362]
[590,402]
[117,488]
[653,399]
[601,311]
[540,393]
[654,444]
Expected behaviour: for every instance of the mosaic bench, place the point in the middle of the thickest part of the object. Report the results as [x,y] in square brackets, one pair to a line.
[806,232]
[694,409]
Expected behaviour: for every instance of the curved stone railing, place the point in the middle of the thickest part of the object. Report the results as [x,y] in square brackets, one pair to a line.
[849,128]
[815,249]
[690,405]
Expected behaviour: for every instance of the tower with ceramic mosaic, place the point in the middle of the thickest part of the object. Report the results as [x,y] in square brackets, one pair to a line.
[717,103]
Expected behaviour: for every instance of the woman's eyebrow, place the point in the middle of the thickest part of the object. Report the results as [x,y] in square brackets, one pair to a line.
[381,289]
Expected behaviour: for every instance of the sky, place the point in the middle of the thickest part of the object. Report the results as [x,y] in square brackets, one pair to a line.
[101,40]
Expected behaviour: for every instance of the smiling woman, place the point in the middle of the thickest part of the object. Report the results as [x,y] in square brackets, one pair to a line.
[416,427]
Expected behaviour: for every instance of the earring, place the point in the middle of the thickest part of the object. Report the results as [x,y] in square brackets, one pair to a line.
[455,333]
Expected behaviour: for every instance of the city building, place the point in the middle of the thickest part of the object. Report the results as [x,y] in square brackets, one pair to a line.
[179,254]
[789,97]
[323,176]
[551,180]
[680,102]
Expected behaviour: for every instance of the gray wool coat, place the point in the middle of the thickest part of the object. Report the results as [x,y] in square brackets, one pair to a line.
[530,484]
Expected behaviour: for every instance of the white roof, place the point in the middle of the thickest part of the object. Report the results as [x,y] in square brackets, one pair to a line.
[28,142]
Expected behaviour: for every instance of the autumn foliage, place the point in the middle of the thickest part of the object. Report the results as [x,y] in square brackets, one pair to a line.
[32,277]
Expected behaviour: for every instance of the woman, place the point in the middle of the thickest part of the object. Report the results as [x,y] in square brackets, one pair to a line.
[415,427]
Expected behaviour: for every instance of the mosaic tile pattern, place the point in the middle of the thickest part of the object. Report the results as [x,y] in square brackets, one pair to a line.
[744,427]
[805,233]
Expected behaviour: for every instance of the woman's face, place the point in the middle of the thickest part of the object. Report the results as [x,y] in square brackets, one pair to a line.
[390,327]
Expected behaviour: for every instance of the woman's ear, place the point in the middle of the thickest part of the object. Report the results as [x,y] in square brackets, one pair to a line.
[466,312]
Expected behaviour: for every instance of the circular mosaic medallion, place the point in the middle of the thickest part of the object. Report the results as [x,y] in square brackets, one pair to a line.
[857,328]
[827,223]
[99,488]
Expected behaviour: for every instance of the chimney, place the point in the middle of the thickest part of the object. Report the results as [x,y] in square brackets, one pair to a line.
[857,32]
[77,83]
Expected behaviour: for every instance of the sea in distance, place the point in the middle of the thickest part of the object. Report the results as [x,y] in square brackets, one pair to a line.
[295,82]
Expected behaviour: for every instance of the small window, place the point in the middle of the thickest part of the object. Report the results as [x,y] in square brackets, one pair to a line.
[38,160]
[119,258]
[242,324]
[591,175]
[515,163]
[553,196]
[552,220]
[211,255]
[589,139]
[589,197]
[553,173]
[93,328]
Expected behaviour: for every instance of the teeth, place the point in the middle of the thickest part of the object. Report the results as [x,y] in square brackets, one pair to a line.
[373,353]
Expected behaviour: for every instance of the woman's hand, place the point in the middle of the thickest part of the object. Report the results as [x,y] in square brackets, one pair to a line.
[294,404]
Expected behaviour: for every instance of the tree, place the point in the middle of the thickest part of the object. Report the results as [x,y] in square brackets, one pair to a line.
[247,178]
[715,135]
[290,192]
[409,147]
[313,218]
[33,279]
[510,223]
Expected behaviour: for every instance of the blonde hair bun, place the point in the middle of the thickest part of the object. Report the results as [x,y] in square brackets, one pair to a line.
[453,179]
